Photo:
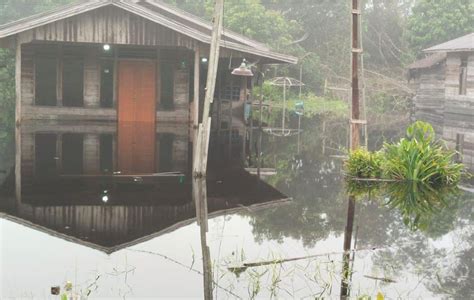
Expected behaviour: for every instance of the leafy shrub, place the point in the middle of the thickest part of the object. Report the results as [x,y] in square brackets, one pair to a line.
[364,164]
[418,157]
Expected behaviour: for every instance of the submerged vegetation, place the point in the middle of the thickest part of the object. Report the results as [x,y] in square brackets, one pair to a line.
[418,157]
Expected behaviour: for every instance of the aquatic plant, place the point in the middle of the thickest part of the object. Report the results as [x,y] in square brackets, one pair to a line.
[417,157]
[364,164]
[420,157]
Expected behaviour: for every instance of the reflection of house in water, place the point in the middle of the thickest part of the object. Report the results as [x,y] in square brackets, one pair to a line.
[444,85]
[69,189]
[136,70]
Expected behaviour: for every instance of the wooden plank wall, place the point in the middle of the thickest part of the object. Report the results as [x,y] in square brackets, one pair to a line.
[91,79]
[92,110]
[181,112]
[109,25]
[429,101]
[91,154]
[27,158]
[459,109]
[27,76]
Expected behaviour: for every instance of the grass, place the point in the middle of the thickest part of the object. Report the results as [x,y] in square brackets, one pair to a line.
[317,105]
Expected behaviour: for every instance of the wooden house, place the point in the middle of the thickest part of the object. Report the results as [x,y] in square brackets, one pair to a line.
[444,86]
[126,61]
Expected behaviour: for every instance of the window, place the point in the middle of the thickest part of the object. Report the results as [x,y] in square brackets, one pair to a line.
[106,153]
[167,86]
[231,93]
[463,76]
[165,154]
[45,155]
[45,81]
[107,84]
[72,153]
[73,81]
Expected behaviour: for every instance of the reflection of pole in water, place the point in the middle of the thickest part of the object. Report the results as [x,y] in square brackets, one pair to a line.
[260,125]
[346,270]
[200,200]
[354,144]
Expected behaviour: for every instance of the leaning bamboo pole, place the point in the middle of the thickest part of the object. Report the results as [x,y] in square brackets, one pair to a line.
[202,143]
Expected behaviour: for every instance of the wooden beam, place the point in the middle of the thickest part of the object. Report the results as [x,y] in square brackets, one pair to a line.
[18,121]
[197,70]
[59,76]
[200,155]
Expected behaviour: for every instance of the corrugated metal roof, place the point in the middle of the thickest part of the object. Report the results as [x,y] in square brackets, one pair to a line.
[176,20]
[464,43]
[428,61]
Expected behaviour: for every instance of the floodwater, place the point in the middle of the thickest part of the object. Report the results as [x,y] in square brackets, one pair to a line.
[120,218]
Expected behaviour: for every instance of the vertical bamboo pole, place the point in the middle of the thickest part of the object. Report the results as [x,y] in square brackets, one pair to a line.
[200,199]
[18,121]
[200,159]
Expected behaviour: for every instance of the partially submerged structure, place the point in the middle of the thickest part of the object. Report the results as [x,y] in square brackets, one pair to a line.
[444,85]
[67,188]
[126,61]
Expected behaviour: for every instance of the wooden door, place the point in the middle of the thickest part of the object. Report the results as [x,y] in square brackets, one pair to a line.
[136,116]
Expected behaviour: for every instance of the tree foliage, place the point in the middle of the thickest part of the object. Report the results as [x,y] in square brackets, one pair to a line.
[433,22]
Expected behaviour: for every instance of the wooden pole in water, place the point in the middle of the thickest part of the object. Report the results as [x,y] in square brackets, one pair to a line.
[197,64]
[356,51]
[202,143]
[354,144]
[18,121]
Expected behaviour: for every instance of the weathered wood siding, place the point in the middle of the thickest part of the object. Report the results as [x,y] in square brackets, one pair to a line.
[27,157]
[91,153]
[27,76]
[91,79]
[109,25]
[438,101]
[181,111]
[459,109]
[91,144]
[429,99]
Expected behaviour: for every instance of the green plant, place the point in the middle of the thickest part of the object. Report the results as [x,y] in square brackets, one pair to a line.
[364,164]
[419,157]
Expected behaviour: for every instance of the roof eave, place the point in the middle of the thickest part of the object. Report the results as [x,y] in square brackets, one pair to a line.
[429,50]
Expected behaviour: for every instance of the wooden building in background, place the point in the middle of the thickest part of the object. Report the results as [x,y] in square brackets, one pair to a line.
[126,61]
[444,86]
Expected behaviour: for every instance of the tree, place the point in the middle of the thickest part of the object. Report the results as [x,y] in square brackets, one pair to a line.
[433,22]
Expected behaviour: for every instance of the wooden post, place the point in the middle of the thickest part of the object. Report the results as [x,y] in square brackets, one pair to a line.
[284,107]
[200,200]
[346,271]
[59,76]
[115,79]
[18,121]
[200,155]
[197,65]
[260,125]
[355,138]
[354,144]
[459,146]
